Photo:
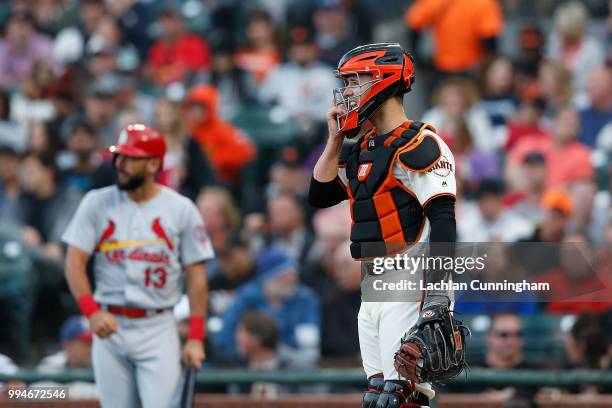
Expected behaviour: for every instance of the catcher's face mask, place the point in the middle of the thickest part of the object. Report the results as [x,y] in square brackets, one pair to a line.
[351,96]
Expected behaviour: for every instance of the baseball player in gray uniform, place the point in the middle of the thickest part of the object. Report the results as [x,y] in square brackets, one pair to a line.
[142,236]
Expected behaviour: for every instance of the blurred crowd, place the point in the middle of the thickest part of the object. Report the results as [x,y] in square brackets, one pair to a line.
[240,89]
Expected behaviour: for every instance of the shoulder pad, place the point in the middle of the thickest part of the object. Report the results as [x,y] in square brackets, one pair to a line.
[420,156]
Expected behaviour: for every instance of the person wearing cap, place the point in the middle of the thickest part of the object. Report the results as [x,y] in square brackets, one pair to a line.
[145,241]
[277,292]
[75,337]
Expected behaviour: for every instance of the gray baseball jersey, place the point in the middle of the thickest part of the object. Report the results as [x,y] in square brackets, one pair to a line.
[139,249]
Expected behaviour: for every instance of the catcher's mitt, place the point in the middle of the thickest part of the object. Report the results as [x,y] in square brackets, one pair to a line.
[433,350]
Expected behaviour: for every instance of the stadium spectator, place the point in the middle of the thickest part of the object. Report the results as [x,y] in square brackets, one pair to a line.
[531,51]
[300,88]
[226,148]
[69,44]
[108,35]
[11,134]
[31,103]
[526,122]
[505,351]
[277,293]
[257,340]
[333,33]
[236,87]
[526,200]
[237,266]
[222,215]
[48,15]
[568,161]
[599,112]
[573,46]
[185,167]
[504,343]
[287,227]
[21,49]
[486,220]
[576,286]
[134,19]
[502,263]
[458,119]
[100,111]
[63,95]
[586,347]
[332,228]
[555,87]
[497,92]
[557,209]
[75,337]
[10,190]
[81,163]
[177,56]
[43,141]
[463,31]
[260,55]
[287,175]
[47,206]
[341,300]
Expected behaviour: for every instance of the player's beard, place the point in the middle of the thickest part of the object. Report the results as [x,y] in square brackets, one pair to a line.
[132,184]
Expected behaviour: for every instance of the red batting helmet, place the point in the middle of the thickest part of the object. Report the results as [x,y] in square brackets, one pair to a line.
[392,72]
[139,141]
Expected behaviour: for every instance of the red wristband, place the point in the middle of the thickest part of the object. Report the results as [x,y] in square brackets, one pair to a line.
[197,330]
[88,305]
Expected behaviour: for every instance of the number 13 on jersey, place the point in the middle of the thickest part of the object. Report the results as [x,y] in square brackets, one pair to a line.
[155,277]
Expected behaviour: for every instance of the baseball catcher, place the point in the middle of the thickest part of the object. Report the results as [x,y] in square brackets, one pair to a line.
[400,182]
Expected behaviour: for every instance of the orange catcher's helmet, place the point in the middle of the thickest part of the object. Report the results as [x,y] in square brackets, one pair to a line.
[139,141]
[391,69]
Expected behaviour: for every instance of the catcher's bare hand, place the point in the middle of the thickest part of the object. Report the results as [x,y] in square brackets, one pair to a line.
[193,353]
[332,123]
[103,324]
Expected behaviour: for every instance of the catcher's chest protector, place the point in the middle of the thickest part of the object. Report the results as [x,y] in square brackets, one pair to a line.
[386,214]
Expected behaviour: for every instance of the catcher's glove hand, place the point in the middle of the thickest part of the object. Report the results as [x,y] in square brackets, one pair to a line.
[433,350]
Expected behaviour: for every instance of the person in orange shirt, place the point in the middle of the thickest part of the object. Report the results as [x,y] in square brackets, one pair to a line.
[463,30]
[227,149]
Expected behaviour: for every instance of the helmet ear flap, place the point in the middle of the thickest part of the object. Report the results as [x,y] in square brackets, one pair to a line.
[408,72]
